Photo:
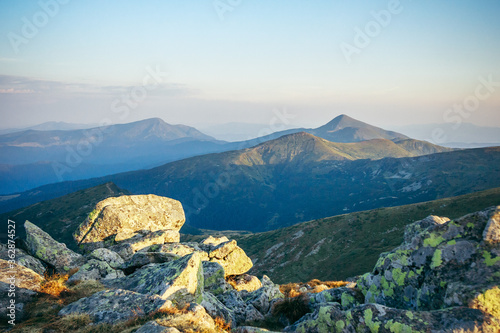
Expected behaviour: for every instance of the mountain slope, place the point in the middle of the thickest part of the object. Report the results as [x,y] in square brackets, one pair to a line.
[61,216]
[339,247]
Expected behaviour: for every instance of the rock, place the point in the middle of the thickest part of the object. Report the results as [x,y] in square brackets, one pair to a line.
[215,240]
[222,250]
[233,301]
[180,280]
[141,259]
[195,318]
[262,298]
[415,228]
[250,329]
[126,249]
[45,248]
[215,308]
[127,215]
[235,262]
[491,233]
[246,282]
[22,258]
[213,276]
[153,327]
[381,319]
[252,315]
[180,249]
[346,297]
[112,306]
[95,270]
[111,257]
[22,283]
[443,265]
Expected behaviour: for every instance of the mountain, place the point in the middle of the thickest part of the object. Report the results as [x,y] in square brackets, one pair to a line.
[297,178]
[343,246]
[50,126]
[33,158]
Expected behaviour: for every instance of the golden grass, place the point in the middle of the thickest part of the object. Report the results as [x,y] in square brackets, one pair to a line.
[314,286]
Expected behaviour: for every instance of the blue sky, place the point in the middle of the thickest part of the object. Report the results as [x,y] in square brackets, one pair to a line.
[241,64]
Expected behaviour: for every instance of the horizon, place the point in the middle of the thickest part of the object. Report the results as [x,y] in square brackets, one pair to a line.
[387,63]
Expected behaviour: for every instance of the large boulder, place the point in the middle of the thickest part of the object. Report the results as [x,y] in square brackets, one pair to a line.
[21,258]
[213,276]
[18,286]
[193,319]
[108,256]
[124,216]
[96,270]
[180,280]
[144,239]
[41,245]
[112,306]
[230,256]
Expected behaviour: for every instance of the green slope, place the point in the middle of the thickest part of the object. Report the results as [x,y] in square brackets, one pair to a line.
[61,216]
[339,247]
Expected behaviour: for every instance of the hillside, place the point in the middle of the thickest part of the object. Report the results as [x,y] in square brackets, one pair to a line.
[343,246]
[61,215]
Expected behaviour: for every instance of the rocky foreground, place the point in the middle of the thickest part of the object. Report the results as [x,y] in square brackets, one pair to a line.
[443,278]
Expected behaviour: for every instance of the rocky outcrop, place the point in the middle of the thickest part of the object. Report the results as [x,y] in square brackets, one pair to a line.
[180,280]
[95,270]
[42,246]
[444,277]
[112,306]
[122,218]
[229,255]
[18,286]
[22,258]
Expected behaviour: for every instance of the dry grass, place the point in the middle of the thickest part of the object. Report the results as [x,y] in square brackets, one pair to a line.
[221,324]
[314,286]
[54,285]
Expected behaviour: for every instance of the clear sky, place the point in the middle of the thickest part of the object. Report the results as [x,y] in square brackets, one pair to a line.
[384,62]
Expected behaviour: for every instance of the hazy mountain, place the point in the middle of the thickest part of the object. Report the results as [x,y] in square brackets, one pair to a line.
[33,158]
[464,135]
[50,126]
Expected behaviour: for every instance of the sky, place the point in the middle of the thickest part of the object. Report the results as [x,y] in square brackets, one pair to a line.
[201,63]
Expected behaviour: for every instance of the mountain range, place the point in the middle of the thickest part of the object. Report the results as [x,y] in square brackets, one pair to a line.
[32,158]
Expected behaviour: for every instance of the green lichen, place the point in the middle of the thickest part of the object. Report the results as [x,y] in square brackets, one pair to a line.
[409,314]
[433,240]
[488,260]
[340,325]
[443,284]
[346,300]
[452,242]
[373,326]
[436,259]
[470,225]
[396,327]
[398,276]
[92,215]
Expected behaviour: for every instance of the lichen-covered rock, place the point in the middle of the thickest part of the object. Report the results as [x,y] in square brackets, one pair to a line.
[246,282]
[154,327]
[346,297]
[180,280]
[22,258]
[214,241]
[180,249]
[378,318]
[141,259]
[95,270]
[194,319]
[111,257]
[127,248]
[491,233]
[445,265]
[263,297]
[215,308]
[233,301]
[222,250]
[128,215]
[213,276]
[18,284]
[235,262]
[112,306]
[41,245]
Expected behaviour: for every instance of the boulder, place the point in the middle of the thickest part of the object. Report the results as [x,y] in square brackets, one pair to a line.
[346,297]
[180,280]
[180,249]
[127,215]
[246,282]
[491,233]
[45,248]
[215,308]
[95,270]
[22,258]
[112,306]
[106,255]
[263,298]
[378,318]
[18,284]
[127,248]
[214,241]
[231,257]
[193,319]
[213,276]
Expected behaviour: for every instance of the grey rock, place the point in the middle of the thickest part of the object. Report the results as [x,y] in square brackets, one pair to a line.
[215,308]
[22,258]
[45,248]
[214,281]
[141,259]
[111,257]
[95,270]
[112,306]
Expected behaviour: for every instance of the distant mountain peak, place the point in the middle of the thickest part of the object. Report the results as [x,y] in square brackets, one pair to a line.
[343,121]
